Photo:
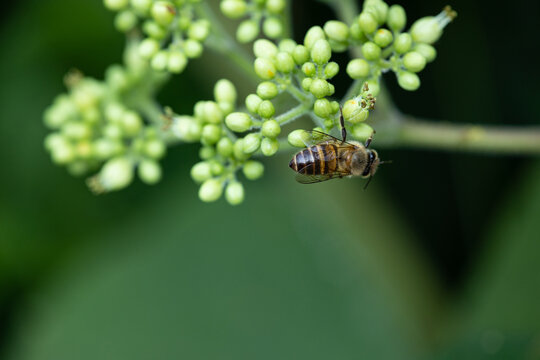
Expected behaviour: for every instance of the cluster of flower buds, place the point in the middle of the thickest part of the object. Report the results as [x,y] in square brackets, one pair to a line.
[94,127]
[173,32]
[268,12]
[223,153]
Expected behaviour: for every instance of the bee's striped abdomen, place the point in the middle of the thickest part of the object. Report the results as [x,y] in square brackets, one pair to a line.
[315,160]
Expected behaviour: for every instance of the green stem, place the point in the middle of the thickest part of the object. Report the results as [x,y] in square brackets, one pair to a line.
[294,113]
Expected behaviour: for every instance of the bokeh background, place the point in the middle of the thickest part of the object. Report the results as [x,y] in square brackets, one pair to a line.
[439,259]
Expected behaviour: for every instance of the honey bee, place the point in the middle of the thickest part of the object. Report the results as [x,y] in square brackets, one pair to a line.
[326,157]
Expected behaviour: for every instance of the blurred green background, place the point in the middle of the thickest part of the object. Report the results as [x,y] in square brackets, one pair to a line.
[439,259]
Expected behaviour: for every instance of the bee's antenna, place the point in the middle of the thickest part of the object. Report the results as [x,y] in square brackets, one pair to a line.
[369,180]
[342,124]
[385,162]
[370,138]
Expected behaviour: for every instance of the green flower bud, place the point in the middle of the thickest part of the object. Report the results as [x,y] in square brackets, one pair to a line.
[114,112]
[298,138]
[322,108]
[142,7]
[62,152]
[125,20]
[224,91]
[234,193]
[211,112]
[374,87]
[78,168]
[264,68]
[115,5]
[414,61]
[331,69]
[211,134]
[117,78]
[106,148]
[284,62]
[368,23]
[306,83]
[266,109]
[177,61]
[163,12]
[358,68]
[160,60]
[321,52]
[379,9]
[353,112]
[238,150]
[263,48]
[186,128]
[272,27]
[335,106]
[247,31]
[154,30]
[211,190]
[149,172]
[396,18]
[199,30]
[269,146]
[319,88]
[207,152]
[427,51]
[233,9]
[252,142]
[314,33]
[287,45]
[403,43]
[192,48]
[408,80]
[113,131]
[371,51]
[357,33]
[238,121]
[155,148]
[383,37]
[216,167]
[148,48]
[226,107]
[275,6]
[253,170]
[116,174]
[267,90]
[54,139]
[362,131]
[224,147]
[76,130]
[309,69]
[253,102]
[300,54]
[270,128]
[336,30]
[132,123]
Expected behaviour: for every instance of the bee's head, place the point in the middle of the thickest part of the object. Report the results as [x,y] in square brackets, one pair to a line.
[365,163]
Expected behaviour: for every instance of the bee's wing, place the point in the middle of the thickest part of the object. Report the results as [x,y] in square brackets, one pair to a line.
[312,179]
[315,137]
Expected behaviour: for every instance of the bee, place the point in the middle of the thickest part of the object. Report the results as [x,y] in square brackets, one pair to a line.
[326,157]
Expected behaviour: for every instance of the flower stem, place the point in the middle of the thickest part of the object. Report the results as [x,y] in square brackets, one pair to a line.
[294,113]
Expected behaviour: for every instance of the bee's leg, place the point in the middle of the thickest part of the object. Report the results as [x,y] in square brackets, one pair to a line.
[370,138]
[342,124]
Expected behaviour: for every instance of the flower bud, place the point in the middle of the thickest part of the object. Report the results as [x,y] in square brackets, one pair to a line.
[224,91]
[267,90]
[211,190]
[306,83]
[396,18]
[233,9]
[284,62]
[427,51]
[300,54]
[199,30]
[201,171]
[374,88]
[358,68]
[408,80]
[160,60]
[62,152]
[264,68]
[429,29]
[331,69]
[212,112]
[353,112]
[186,128]
[238,121]
[322,108]
[414,61]
[383,38]
[269,146]
[247,31]
[321,52]
[192,48]
[403,43]
[177,61]
[275,6]
[125,21]
[154,30]
[115,5]
[252,142]
[155,148]
[238,150]
[298,138]
[371,51]
[367,22]
[313,34]
[142,7]
[336,30]
[272,27]
[287,45]
[149,172]
[253,170]
[263,48]
[148,48]
[270,128]
[309,69]
[211,134]
[224,147]
[163,12]
[320,88]
[132,123]
[116,174]
[207,152]
[362,131]
[234,193]
[266,109]
[253,102]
